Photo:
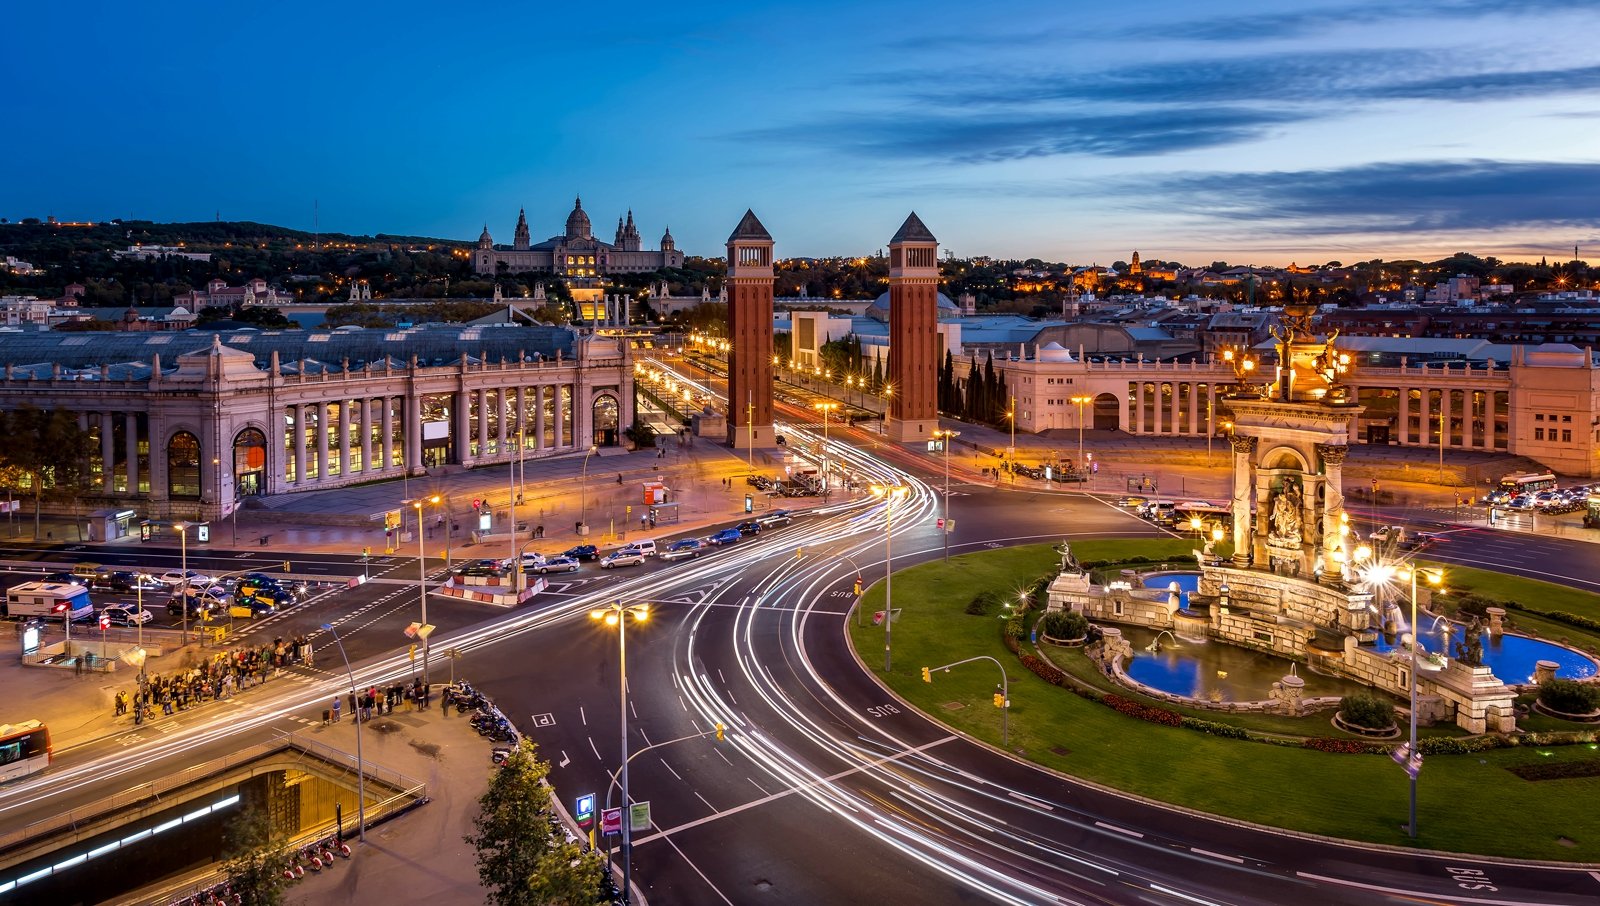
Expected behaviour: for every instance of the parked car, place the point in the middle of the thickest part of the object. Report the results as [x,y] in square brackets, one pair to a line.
[687,549]
[127,615]
[582,552]
[752,527]
[87,571]
[555,565]
[624,557]
[726,536]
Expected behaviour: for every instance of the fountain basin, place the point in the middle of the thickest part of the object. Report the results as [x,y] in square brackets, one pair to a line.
[1513,659]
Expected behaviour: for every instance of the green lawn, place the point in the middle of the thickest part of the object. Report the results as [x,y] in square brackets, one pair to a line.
[1467,803]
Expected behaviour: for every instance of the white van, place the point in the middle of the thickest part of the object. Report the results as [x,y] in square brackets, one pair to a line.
[645,546]
[50,600]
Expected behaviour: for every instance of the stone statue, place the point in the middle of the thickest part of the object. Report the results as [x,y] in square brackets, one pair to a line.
[1470,650]
[1286,515]
[1069,563]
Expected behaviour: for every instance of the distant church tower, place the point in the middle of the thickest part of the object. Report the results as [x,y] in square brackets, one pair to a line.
[627,235]
[485,241]
[1134,267]
[520,241]
[913,333]
[749,289]
[668,244]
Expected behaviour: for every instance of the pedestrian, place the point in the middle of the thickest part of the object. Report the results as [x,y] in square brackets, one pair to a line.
[538,531]
[121,705]
[335,709]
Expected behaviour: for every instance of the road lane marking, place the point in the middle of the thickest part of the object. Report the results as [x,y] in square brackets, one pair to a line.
[1032,801]
[564,759]
[1401,892]
[758,786]
[1121,830]
[876,762]
[594,749]
[674,773]
[1206,852]
[582,718]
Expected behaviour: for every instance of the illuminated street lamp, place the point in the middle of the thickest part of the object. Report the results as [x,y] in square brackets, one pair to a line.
[825,408]
[889,493]
[1080,402]
[1379,575]
[945,437]
[616,614]
[361,773]
[583,493]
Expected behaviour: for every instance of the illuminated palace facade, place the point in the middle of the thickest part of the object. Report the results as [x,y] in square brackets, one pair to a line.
[1542,402]
[188,425]
[576,252]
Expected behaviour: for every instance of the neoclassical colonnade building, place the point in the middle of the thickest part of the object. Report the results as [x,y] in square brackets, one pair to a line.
[187,425]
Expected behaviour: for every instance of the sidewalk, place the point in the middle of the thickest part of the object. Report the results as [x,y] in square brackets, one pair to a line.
[420,856]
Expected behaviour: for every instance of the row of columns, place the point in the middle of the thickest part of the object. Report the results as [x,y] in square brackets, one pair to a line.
[1428,435]
[297,414]
[1174,410]
[106,423]
[504,432]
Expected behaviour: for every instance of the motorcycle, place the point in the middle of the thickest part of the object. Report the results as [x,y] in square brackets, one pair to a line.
[499,754]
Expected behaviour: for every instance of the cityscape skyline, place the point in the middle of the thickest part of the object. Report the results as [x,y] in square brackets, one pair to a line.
[1344,131]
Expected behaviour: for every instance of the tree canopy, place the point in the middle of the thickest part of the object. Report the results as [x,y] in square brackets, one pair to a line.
[521,861]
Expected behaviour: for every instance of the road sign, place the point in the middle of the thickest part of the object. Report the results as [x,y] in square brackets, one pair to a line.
[584,810]
[639,817]
[611,821]
[939,523]
[202,532]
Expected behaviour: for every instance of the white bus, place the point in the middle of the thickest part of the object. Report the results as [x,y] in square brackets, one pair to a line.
[1517,484]
[24,749]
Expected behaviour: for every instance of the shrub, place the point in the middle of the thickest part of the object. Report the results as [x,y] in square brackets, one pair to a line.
[1558,770]
[1451,745]
[1344,746]
[1045,670]
[1065,624]
[1569,696]
[1364,710]
[983,603]
[1227,731]
[1013,627]
[1144,712]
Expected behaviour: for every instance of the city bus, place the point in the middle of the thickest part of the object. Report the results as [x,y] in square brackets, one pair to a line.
[24,749]
[1516,484]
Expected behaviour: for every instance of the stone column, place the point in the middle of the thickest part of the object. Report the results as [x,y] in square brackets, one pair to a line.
[561,417]
[504,419]
[386,439]
[1138,408]
[1444,416]
[413,432]
[1405,416]
[108,455]
[366,435]
[461,424]
[130,430]
[298,413]
[1424,421]
[538,417]
[1155,405]
[1332,456]
[344,438]
[1244,448]
[522,420]
[482,400]
[1194,410]
[322,441]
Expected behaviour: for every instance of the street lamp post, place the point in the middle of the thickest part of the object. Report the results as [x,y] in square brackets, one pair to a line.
[361,771]
[889,493]
[1379,575]
[183,587]
[825,408]
[583,493]
[945,437]
[422,589]
[617,614]
[1080,401]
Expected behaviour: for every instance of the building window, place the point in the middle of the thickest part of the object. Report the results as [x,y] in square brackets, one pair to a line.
[1538,434]
[183,466]
[1566,436]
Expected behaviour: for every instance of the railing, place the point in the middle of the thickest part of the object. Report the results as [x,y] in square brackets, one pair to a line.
[155,789]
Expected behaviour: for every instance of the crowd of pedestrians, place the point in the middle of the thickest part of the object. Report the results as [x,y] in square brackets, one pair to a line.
[376,700]
[217,677]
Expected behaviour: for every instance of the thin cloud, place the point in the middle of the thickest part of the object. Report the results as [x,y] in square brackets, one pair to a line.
[987,139]
[1412,197]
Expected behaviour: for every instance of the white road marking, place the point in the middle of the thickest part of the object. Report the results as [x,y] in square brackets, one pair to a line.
[594,749]
[1034,802]
[1396,891]
[582,718]
[564,759]
[1206,852]
[669,767]
[1120,830]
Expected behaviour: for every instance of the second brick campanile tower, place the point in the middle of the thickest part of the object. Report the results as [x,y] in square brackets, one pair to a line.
[913,333]
[750,331]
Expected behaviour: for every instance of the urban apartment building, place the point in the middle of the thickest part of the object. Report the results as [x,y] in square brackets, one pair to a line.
[189,424]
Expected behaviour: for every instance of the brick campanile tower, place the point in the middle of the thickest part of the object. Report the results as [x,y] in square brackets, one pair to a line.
[913,333]
[750,331]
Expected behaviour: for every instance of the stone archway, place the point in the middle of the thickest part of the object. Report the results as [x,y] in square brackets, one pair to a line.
[250,463]
[607,421]
[1107,412]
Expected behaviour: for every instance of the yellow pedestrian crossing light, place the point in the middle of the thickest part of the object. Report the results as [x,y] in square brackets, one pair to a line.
[927,677]
[999,700]
[720,729]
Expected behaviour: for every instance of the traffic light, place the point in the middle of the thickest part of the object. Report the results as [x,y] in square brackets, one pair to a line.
[927,677]
[366,551]
[858,586]
[286,566]
[720,729]
[999,700]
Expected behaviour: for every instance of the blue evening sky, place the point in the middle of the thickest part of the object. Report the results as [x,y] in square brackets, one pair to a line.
[1263,132]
